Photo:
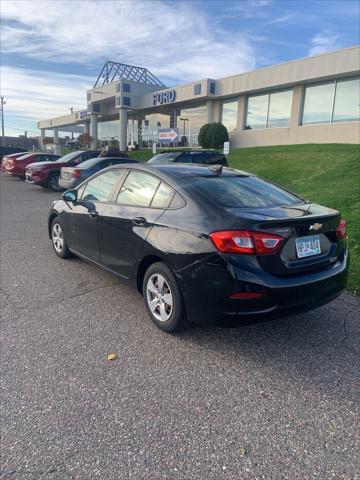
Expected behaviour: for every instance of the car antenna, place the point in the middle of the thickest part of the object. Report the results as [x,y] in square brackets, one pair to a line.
[217,169]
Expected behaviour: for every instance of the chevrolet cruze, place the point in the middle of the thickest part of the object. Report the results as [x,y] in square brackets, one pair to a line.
[204,242]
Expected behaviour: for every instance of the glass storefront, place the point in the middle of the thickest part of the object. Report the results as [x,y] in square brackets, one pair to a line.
[229,114]
[189,122]
[108,130]
[270,110]
[332,102]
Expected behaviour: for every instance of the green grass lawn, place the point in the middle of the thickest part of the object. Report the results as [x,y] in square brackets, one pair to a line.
[326,174]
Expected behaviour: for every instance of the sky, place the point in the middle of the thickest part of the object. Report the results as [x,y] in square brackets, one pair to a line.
[52,50]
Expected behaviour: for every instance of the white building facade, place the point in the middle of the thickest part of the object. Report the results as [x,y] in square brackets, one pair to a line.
[312,100]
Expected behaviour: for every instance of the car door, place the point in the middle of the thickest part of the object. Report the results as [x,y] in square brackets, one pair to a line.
[126,223]
[82,225]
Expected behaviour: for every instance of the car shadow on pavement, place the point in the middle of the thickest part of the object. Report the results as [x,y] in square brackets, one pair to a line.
[320,346]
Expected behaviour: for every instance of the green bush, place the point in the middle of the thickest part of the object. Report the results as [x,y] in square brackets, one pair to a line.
[213,135]
[203,137]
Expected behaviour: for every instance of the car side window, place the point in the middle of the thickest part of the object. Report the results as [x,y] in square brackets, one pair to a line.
[197,158]
[100,188]
[177,201]
[183,158]
[138,189]
[163,196]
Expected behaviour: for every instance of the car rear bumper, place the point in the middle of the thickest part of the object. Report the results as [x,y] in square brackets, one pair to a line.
[277,296]
[68,184]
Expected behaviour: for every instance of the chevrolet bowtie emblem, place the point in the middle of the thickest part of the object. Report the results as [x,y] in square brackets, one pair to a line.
[315,226]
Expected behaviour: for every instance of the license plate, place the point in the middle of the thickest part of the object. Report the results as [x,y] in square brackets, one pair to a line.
[308,246]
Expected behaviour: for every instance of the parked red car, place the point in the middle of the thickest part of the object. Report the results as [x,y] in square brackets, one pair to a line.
[16,166]
[46,174]
[11,156]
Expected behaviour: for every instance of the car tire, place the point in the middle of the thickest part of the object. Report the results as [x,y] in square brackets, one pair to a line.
[53,182]
[163,298]
[58,239]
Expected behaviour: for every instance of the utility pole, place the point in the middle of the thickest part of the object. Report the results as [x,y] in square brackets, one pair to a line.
[2,121]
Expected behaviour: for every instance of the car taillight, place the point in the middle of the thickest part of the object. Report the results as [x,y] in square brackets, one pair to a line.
[341,230]
[76,173]
[246,241]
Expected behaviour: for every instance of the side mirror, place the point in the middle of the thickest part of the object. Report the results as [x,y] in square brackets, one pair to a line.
[70,196]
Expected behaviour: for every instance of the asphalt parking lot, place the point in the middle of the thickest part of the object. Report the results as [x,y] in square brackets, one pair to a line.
[275,400]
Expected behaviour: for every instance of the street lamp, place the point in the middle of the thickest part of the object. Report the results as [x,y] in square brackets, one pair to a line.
[184,120]
[2,121]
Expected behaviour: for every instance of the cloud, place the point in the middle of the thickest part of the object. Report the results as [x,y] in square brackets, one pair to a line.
[282,19]
[251,8]
[323,41]
[36,95]
[178,41]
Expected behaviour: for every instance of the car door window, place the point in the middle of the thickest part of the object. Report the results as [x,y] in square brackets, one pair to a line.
[100,188]
[138,189]
[163,196]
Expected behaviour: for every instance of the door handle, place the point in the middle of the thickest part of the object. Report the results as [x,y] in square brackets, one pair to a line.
[139,221]
[93,213]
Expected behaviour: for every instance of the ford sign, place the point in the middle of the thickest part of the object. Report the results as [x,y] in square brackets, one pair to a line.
[164,97]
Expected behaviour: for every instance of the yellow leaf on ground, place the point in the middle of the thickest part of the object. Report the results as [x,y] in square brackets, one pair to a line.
[111,356]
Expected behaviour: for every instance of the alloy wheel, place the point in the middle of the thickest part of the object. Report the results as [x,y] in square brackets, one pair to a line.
[159,297]
[58,237]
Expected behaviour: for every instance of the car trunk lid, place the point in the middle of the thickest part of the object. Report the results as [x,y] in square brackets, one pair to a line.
[309,232]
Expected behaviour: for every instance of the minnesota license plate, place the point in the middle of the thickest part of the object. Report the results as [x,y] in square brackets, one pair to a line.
[308,246]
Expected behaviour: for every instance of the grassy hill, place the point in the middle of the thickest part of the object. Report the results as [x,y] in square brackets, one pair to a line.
[326,174]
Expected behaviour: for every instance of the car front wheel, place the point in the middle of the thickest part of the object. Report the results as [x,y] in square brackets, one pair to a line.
[58,240]
[163,298]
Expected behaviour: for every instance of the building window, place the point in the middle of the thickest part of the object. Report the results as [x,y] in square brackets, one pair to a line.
[96,108]
[118,101]
[279,109]
[229,114]
[118,87]
[88,97]
[127,101]
[126,87]
[257,111]
[269,110]
[212,88]
[332,102]
[197,89]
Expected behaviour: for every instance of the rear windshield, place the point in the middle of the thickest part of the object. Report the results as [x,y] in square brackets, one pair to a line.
[165,157]
[68,157]
[241,191]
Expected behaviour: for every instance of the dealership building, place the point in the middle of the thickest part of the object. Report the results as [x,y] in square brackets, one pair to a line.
[312,100]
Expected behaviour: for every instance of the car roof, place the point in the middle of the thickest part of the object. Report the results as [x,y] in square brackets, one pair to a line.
[174,150]
[183,170]
[91,162]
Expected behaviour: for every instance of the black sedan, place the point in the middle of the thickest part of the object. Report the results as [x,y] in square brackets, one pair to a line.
[208,157]
[71,177]
[202,242]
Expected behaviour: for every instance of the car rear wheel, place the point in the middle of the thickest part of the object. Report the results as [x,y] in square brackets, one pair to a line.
[163,298]
[53,182]
[58,240]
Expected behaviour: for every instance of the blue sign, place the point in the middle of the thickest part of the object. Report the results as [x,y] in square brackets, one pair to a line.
[168,135]
[161,98]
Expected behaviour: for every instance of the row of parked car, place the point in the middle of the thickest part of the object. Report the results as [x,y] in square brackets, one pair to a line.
[63,173]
